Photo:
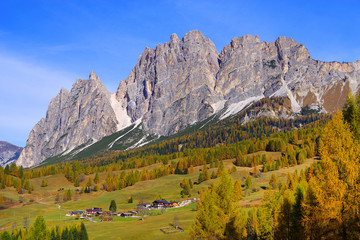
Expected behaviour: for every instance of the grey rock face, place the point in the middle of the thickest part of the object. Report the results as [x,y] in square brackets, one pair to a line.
[185,81]
[171,86]
[250,68]
[9,153]
[81,116]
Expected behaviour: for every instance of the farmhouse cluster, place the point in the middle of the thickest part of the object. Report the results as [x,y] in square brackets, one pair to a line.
[98,212]
[107,215]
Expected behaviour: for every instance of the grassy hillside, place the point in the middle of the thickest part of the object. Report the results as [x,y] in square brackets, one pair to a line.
[129,228]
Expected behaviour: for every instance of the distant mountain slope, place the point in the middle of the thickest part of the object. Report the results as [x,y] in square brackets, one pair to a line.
[9,153]
[184,82]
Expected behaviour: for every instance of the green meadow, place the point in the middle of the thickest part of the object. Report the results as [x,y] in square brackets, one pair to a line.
[42,201]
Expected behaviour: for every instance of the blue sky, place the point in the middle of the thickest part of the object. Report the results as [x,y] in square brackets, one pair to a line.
[46,45]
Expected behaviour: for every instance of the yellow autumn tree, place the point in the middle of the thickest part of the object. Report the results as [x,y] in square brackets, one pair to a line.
[2,204]
[238,190]
[336,199]
[273,181]
[206,225]
[191,169]
[217,216]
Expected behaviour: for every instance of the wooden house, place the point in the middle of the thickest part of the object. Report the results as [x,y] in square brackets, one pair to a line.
[94,211]
[127,214]
[75,213]
[163,204]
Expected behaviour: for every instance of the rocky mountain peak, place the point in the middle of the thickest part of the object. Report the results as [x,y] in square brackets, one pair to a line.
[181,69]
[185,81]
[194,41]
[8,153]
[240,45]
[286,42]
[244,40]
[63,91]
[88,86]
[81,116]
[174,39]
[92,75]
[287,47]
[194,36]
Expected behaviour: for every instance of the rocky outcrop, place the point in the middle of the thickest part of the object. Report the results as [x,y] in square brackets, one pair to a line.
[9,153]
[186,81]
[82,116]
[171,86]
[253,69]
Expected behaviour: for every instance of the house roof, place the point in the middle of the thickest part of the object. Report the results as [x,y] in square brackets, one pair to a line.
[94,210]
[161,201]
[127,213]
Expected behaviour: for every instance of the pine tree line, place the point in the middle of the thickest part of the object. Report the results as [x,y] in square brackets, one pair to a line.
[40,231]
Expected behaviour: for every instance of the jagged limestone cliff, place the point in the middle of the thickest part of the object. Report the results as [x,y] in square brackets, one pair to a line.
[82,116]
[170,86]
[9,153]
[253,69]
[186,81]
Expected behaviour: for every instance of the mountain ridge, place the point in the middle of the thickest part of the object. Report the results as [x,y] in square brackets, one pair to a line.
[9,153]
[186,81]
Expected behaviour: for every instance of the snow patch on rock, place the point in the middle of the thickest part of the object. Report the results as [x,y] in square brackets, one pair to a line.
[218,105]
[237,107]
[284,91]
[140,143]
[120,112]
[136,123]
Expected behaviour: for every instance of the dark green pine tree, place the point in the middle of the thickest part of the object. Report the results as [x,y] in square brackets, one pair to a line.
[200,178]
[65,234]
[58,236]
[53,235]
[74,232]
[297,214]
[351,113]
[112,207]
[83,232]
[5,236]
[7,169]
[283,219]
